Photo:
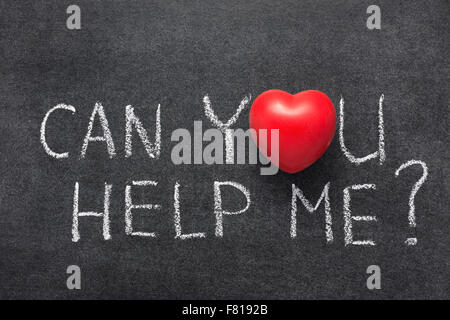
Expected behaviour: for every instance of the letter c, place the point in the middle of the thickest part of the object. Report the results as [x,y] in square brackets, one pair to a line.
[47,149]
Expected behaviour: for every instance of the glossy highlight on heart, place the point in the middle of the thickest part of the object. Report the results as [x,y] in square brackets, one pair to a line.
[306,122]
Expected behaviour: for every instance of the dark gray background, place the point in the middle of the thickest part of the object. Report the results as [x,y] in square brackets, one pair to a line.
[174,52]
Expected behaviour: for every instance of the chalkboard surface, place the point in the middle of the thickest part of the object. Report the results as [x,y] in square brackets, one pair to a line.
[173,54]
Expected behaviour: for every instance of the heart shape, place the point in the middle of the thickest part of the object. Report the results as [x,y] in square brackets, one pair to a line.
[306,123]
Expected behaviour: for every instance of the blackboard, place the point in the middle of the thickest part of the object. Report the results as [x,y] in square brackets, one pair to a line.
[172,54]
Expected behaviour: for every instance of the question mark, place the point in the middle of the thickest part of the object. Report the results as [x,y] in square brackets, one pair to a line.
[416,187]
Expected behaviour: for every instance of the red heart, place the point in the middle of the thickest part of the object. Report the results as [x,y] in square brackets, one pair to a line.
[306,123]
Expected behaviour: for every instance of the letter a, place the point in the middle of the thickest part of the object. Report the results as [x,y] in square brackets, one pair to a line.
[74,280]
[374,281]
[374,20]
[74,20]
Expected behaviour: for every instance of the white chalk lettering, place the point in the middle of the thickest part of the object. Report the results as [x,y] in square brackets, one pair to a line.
[380,153]
[298,193]
[98,109]
[219,211]
[348,218]
[129,206]
[104,214]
